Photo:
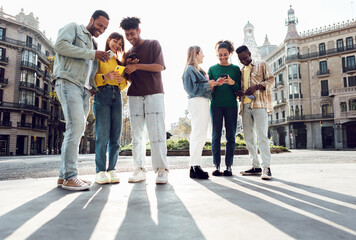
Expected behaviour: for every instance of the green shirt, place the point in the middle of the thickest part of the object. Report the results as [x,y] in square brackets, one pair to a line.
[224,95]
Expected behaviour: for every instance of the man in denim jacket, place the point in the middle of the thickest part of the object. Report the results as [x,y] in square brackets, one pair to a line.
[75,66]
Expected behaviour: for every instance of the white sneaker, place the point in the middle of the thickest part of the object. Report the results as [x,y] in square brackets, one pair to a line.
[113,177]
[162,176]
[138,175]
[102,178]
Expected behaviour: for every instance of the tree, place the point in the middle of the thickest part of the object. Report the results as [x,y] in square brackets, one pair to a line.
[182,128]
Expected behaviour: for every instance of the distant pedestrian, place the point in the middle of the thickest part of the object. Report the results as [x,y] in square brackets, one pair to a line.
[197,85]
[224,105]
[75,66]
[144,64]
[256,103]
[107,108]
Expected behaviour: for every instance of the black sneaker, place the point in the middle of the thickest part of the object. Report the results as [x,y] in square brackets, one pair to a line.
[227,173]
[217,173]
[197,172]
[252,171]
[266,174]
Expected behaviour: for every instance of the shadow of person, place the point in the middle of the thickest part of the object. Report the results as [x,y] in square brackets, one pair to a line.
[336,213]
[173,220]
[14,219]
[289,221]
[79,218]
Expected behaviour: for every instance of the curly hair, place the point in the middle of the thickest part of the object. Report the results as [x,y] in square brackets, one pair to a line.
[130,23]
[225,44]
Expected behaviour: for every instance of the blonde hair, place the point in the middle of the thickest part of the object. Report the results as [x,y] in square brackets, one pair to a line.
[192,60]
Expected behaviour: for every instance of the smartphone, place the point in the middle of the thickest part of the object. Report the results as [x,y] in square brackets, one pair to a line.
[111,53]
[132,56]
[251,97]
[223,75]
[120,69]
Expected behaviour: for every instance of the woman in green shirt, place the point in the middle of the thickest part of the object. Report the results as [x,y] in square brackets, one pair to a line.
[224,105]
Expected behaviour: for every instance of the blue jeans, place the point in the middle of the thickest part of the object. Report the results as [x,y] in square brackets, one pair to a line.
[148,110]
[75,106]
[108,125]
[229,114]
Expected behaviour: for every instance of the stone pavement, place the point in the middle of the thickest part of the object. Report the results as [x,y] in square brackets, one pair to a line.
[303,201]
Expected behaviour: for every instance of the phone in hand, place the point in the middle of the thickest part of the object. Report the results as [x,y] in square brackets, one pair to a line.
[251,97]
[111,53]
[223,75]
[133,56]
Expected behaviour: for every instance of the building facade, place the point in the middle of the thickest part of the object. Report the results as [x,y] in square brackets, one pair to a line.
[315,87]
[30,116]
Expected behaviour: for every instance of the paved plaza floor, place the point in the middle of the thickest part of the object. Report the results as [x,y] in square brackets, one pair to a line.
[304,200]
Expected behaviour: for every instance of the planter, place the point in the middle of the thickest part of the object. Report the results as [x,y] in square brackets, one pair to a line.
[205,152]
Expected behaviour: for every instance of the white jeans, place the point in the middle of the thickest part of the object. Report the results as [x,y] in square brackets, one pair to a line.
[148,110]
[255,124]
[198,108]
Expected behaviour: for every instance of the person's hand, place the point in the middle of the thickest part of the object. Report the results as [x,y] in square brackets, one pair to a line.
[240,93]
[130,68]
[102,56]
[112,75]
[132,61]
[119,79]
[229,81]
[212,84]
[220,81]
[251,90]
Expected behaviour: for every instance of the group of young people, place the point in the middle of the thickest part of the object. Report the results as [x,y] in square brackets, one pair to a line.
[81,71]
[218,91]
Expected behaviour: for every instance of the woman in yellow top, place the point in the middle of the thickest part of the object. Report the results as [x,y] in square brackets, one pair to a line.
[108,111]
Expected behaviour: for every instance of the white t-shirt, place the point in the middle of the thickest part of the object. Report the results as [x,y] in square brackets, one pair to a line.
[90,67]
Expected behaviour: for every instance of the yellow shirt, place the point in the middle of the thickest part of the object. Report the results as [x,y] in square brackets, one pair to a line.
[105,67]
[247,72]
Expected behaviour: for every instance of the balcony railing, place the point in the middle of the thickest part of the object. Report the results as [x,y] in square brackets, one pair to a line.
[24,44]
[39,127]
[350,114]
[29,64]
[24,106]
[328,52]
[24,125]
[32,86]
[349,69]
[311,117]
[3,82]
[4,59]
[279,102]
[5,124]
[278,121]
[323,73]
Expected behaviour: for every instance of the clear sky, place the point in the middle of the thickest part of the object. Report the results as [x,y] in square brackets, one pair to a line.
[180,24]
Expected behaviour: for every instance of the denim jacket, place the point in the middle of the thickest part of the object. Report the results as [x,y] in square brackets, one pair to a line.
[74,48]
[195,83]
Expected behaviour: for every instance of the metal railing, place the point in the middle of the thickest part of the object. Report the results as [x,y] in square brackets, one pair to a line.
[24,44]
[4,59]
[24,106]
[24,124]
[4,81]
[311,117]
[331,51]
[5,123]
[323,72]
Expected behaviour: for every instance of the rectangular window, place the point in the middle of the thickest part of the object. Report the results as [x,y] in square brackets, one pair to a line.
[323,67]
[352,104]
[2,33]
[345,82]
[280,61]
[343,107]
[282,94]
[324,88]
[2,73]
[322,50]
[28,41]
[300,90]
[283,114]
[280,78]
[296,90]
[277,117]
[340,45]
[290,91]
[275,97]
[352,81]
[350,60]
[349,43]
[1,95]
[39,47]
